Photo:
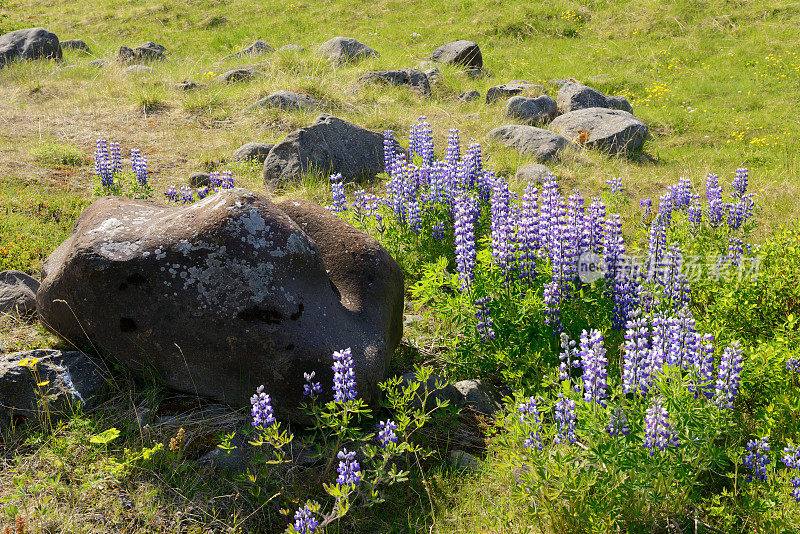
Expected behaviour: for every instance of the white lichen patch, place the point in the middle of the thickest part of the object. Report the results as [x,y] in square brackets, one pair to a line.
[122,250]
[111,227]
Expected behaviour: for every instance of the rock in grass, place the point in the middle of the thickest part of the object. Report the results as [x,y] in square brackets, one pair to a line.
[252,151]
[612,130]
[28,44]
[533,173]
[462,53]
[328,146]
[199,179]
[533,111]
[98,63]
[574,96]
[463,460]
[148,51]
[531,141]
[17,293]
[414,79]
[186,85]
[291,48]
[237,75]
[258,48]
[434,388]
[346,50]
[221,296]
[469,96]
[288,100]
[478,396]
[512,88]
[433,75]
[65,378]
[137,69]
[75,44]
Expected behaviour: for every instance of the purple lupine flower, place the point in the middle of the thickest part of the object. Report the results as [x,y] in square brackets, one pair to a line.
[570,359]
[647,205]
[621,281]
[386,433]
[261,409]
[344,376]
[676,289]
[171,193]
[618,423]
[549,212]
[593,361]
[796,490]
[702,377]
[565,236]
[564,413]
[185,195]
[552,300]
[614,185]
[792,461]
[665,209]
[694,213]
[203,192]
[529,416]
[311,388]
[502,227]
[728,377]
[657,248]
[414,219]
[464,229]
[388,150]
[349,469]
[139,166]
[756,460]
[660,347]
[438,230]
[425,141]
[473,170]
[304,521]
[658,430]
[226,180]
[453,153]
[793,364]
[740,182]
[115,157]
[338,198]
[102,165]
[739,212]
[635,375]
[716,207]
[683,339]
[594,227]
[735,251]
[485,322]
[528,233]
[682,194]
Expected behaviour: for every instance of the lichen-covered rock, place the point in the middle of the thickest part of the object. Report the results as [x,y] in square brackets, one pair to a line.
[415,79]
[346,50]
[469,96]
[288,100]
[533,111]
[75,44]
[573,96]
[218,297]
[237,75]
[17,293]
[27,44]
[512,88]
[463,53]
[533,173]
[531,141]
[478,396]
[613,130]
[148,51]
[258,48]
[252,151]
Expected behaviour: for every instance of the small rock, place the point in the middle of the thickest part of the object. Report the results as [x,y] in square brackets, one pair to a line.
[252,151]
[413,78]
[613,130]
[447,392]
[17,293]
[512,88]
[433,75]
[574,96]
[232,461]
[533,111]
[463,460]
[259,48]
[199,179]
[479,396]
[186,86]
[288,100]
[236,75]
[137,69]
[345,50]
[531,141]
[148,51]
[469,96]
[28,44]
[463,53]
[620,102]
[291,48]
[533,173]
[98,63]
[75,44]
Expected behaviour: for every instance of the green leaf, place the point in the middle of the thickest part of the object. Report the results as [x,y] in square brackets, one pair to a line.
[104,438]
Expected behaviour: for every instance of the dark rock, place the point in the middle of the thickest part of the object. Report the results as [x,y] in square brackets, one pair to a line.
[533,111]
[533,173]
[574,96]
[237,75]
[99,63]
[186,86]
[463,460]
[433,75]
[512,88]
[148,51]
[17,293]
[259,48]
[620,102]
[223,295]
[447,392]
[413,78]
[288,100]
[199,179]
[234,460]
[345,50]
[612,130]
[463,53]
[291,48]
[252,151]
[531,141]
[469,96]
[75,44]
[479,396]
[28,44]
[329,145]
[69,378]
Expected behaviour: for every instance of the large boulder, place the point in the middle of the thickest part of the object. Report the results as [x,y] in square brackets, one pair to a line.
[288,100]
[17,293]
[218,297]
[345,50]
[31,43]
[533,111]
[258,48]
[329,145]
[531,141]
[64,379]
[415,79]
[612,130]
[463,53]
[573,96]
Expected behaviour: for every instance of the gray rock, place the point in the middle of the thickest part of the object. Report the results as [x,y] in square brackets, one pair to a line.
[463,460]
[137,69]
[221,296]
[531,141]
[413,78]
[288,100]
[258,48]
[533,173]
[463,53]
[479,396]
[199,179]
[620,102]
[447,392]
[533,111]
[612,130]
[70,378]
[148,51]
[433,75]
[28,44]
[186,86]
[75,44]
[469,96]
[17,293]
[329,145]
[345,50]
[574,96]
[237,75]
[232,461]
[99,63]
[512,88]
[291,48]
[252,151]
[559,82]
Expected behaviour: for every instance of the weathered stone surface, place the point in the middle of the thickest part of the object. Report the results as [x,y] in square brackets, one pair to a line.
[137,69]
[291,48]
[620,102]
[533,111]
[464,53]
[199,179]
[532,173]
[574,96]
[531,141]
[288,100]
[447,392]
[252,151]
[258,48]
[186,85]
[463,460]
[478,396]
[28,44]
[512,88]
[329,145]
[413,78]
[75,44]
[17,292]
[99,63]
[70,377]
[148,51]
[469,96]
[223,295]
[612,130]
[345,50]
[237,75]
[433,75]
